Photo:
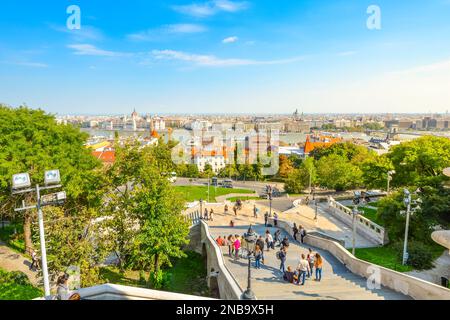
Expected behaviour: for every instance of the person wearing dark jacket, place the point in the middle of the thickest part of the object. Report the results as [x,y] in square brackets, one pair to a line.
[260,242]
[285,242]
[283,255]
[295,231]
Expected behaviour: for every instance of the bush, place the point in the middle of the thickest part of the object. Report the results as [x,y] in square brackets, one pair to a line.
[420,255]
[15,277]
[160,279]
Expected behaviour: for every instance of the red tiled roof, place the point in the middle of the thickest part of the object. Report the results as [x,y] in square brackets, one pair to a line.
[105,156]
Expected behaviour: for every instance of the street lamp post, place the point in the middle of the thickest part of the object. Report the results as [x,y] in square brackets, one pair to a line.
[356,201]
[250,239]
[407,201]
[21,184]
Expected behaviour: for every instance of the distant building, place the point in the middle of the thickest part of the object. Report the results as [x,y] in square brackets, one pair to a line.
[319,141]
[217,162]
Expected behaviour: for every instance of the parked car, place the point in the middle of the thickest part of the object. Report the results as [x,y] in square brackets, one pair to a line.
[228,183]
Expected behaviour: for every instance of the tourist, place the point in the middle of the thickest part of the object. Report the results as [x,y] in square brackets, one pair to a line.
[230,245]
[219,241]
[277,238]
[260,244]
[269,241]
[225,209]
[303,268]
[34,260]
[318,264]
[295,231]
[266,218]
[235,210]
[232,223]
[282,254]
[310,259]
[62,290]
[302,232]
[289,275]
[225,241]
[206,214]
[285,242]
[211,213]
[275,219]
[258,257]
[255,212]
[237,246]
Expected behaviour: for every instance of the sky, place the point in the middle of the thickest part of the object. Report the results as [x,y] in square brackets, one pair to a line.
[224,56]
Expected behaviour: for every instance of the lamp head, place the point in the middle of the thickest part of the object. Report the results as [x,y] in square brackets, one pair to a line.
[21,180]
[52,177]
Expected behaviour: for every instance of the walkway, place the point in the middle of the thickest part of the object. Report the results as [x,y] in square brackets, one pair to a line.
[13,261]
[337,283]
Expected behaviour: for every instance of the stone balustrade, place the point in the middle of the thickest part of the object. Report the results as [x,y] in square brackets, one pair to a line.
[364,226]
[414,287]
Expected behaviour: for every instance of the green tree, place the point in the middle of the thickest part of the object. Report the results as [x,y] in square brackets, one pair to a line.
[163,229]
[31,141]
[336,172]
[375,172]
[420,162]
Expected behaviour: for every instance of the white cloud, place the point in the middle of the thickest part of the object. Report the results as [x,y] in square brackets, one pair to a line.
[169,29]
[27,64]
[213,61]
[211,8]
[85,33]
[433,67]
[230,40]
[90,50]
[347,53]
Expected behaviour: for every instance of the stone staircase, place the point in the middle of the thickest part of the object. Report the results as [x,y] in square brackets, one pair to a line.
[338,283]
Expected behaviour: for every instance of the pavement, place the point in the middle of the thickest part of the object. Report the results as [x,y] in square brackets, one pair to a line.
[13,261]
[337,283]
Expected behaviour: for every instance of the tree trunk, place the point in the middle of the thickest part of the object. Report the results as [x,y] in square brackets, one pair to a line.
[27,232]
[155,270]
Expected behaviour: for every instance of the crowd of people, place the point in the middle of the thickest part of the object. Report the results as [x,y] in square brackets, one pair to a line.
[310,264]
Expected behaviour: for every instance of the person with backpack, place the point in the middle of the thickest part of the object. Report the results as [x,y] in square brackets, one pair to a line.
[34,260]
[258,257]
[295,231]
[260,244]
[303,269]
[281,255]
[269,241]
[206,214]
[310,257]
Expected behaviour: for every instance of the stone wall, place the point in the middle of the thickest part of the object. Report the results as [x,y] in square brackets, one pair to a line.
[218,273]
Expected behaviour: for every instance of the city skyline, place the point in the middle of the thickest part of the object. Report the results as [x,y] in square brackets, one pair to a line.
[227,57]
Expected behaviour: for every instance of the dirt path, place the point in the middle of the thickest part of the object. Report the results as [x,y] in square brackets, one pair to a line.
[13,261]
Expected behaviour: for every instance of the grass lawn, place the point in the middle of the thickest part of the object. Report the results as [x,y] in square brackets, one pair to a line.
[234,199]
[388,257]
[188,276]
[370,214]
[15,242]
[10,290]
[195,193]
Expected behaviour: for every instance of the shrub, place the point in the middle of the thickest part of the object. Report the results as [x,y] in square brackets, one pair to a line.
[160,279]
[420,255]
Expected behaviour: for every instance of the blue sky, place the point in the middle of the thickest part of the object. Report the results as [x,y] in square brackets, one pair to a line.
[218,56]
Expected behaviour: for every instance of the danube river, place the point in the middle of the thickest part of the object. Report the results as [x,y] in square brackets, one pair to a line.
[289,138]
